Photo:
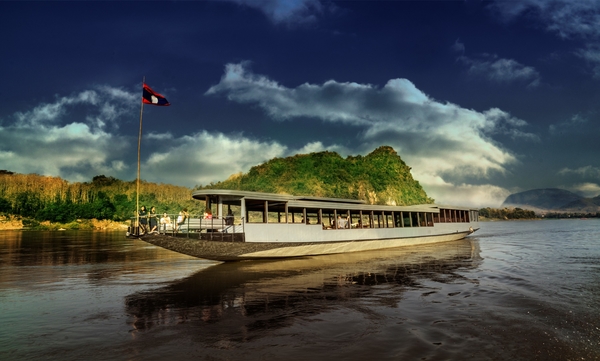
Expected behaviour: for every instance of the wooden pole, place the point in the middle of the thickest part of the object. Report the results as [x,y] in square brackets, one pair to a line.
[137,199]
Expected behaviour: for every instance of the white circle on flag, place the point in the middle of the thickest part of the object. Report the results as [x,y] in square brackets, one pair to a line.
[154,99]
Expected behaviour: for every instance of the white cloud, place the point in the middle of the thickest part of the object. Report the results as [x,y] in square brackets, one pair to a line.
[315,147]
[477,196]
[583,180]
[573,125]
[500,70]
[47,140]
[433,137]
[587,171]
[591,54]
[205,157]
[588,190]
[458,47]
[59,150]
[285,11]
[108,104]
[40,141]
[566,18]
[501,122]
[569,19]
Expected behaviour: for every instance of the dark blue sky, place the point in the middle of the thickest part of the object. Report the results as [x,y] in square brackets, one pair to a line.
[481,99]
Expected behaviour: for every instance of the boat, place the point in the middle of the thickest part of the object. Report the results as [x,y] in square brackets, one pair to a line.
[254,225]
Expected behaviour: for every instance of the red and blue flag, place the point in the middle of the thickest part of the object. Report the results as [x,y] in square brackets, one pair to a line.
[149,96]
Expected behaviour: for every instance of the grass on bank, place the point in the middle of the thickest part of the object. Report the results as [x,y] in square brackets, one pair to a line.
[20,223]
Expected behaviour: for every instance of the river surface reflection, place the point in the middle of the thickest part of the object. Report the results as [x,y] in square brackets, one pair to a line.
[517,290]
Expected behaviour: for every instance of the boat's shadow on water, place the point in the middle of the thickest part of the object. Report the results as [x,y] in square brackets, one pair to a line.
[257,295]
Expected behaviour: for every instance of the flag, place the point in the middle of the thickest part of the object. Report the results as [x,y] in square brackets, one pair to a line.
[149,96]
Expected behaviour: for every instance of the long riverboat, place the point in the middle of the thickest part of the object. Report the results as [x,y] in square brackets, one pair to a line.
[252,225]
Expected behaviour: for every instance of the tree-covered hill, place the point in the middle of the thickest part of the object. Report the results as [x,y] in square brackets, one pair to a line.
[380,177]
[553,199]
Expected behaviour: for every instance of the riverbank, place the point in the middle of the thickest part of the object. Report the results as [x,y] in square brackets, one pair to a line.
[18,223]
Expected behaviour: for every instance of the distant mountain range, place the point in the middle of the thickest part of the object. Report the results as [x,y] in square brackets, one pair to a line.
[553,200]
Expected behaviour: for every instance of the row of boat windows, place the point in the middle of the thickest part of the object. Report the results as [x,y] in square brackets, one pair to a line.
[333,219]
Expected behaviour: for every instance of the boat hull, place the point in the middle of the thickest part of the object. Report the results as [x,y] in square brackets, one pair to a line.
[238,251]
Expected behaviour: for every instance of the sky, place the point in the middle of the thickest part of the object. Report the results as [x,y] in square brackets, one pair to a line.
[481,98]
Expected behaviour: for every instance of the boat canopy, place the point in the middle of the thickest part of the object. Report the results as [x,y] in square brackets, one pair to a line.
[279,202]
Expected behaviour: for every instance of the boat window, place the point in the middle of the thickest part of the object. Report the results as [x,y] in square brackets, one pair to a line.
[377,221]
[414,219]
[255,211]
[406,219]
[255,217]
[342,220]
[364,221]
[328,219]
[389,220]
[296,216]
[235,216]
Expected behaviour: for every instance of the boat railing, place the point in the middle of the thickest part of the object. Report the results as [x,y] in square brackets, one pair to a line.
[214,228]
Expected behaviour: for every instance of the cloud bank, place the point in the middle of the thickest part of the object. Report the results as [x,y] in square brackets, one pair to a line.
[285,11]
[437,139]
[568,19]
[501,71]
[77,137]
[39,141]
[452,150]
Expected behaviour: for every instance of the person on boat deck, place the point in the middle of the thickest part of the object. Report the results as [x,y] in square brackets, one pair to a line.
[181,218]
[341,222]
[152,220]
[208,214]
[229,217]
[143,214]
[164,220]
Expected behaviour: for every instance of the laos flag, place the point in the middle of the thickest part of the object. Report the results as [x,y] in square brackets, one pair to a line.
[149,96]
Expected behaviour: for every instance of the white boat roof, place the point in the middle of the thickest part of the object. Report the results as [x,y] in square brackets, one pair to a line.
[316,202]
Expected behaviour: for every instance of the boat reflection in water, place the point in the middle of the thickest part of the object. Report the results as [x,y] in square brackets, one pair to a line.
[241,300]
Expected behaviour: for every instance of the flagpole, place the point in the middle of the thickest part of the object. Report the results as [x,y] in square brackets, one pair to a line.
[137,200]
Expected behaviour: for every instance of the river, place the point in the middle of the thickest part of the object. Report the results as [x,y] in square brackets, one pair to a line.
[527,290]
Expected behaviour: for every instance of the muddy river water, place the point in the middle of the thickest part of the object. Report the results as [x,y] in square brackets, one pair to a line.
[525,290]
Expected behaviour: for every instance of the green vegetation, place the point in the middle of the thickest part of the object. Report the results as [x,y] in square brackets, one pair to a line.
[38,198]
[567,215]
[507,213]
[381,177]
